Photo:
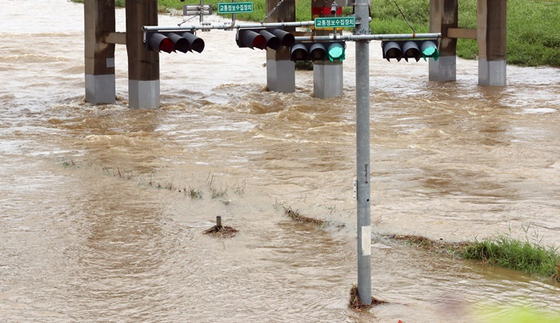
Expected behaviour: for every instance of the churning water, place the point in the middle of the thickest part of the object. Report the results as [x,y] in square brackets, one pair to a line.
[97,222]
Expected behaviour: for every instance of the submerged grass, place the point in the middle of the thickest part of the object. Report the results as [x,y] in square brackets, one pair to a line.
[504,251]
[296,216]
[453,249]
[501,250]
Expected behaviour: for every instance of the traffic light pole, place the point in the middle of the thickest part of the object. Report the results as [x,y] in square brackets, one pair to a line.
[231,26]
[363,153]
[367,37]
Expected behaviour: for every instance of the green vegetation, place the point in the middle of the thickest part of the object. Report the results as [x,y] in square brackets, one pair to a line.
[516,314]
[504,251]
[532,37]
[501,250]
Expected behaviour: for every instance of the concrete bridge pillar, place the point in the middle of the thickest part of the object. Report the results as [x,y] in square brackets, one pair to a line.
[444,15]
[490,34]
[491,38]
[280,70]
[99,22]
[143,65]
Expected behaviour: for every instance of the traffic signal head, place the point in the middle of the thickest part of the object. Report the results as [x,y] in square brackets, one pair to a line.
[286,38]
[174,41]
[406,49]
[333,51]
[263,38]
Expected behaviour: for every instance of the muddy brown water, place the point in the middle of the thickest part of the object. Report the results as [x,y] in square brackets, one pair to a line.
[97,222]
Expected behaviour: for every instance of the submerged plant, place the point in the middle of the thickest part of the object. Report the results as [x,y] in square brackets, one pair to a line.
[194,193]
[216,192]
[295,215]
[505,251]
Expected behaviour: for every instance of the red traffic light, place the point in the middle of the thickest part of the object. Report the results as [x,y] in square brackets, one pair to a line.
[174,41]
[263,38]
[160,42]
[251,39]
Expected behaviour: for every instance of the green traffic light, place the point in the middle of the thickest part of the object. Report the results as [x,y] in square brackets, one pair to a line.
[429,49]
[336,51]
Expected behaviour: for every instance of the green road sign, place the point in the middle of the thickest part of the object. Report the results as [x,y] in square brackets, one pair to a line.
[235,7]
[335,22]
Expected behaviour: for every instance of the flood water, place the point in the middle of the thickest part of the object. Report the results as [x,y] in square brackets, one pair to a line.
[97,222]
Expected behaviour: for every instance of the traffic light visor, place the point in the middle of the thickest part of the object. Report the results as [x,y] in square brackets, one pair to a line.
[392,50]
[317,52]
[196,43]
[411,50]
[286,38]
[298,52]
[271,40]
[179,43]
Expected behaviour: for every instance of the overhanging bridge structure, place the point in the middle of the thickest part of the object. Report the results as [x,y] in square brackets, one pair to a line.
[143,65]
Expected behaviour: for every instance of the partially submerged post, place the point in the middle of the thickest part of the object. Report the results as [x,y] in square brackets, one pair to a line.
[218,222]
[491,38]
[221,231]
[444,15]
[143,65]
[363,153]
[280,70]
[490,34]
[99,22]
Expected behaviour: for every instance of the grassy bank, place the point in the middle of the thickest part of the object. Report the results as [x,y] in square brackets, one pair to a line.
[501,250]
[532,26]
[504,251]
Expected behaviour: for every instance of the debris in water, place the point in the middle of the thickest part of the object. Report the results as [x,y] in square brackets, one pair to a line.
[356,303]
[221,231]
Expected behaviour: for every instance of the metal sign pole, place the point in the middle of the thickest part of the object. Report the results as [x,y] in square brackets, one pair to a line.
[362,153]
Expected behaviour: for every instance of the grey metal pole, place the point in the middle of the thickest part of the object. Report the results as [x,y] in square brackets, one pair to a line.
[362,153]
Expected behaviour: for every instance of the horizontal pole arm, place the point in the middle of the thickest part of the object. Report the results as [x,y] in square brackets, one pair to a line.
[231,26]
[368,37]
